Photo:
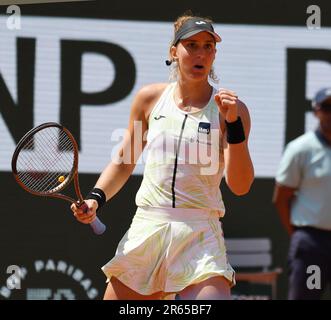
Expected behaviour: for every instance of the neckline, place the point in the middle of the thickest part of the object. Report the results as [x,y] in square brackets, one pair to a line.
[189,112]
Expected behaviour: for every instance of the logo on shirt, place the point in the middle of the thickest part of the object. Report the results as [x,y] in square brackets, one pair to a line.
[204,127]
[159,117]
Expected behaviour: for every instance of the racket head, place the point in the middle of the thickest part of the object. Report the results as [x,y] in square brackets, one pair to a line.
[45,160]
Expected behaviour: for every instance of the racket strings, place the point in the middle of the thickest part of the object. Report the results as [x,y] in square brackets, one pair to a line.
[46,162]
[38,179]
[54,180]
[41,181]
[64,144]
[32,171]
[52,158]
[31,175]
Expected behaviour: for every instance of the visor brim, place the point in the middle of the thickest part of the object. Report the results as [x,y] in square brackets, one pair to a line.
[194,32]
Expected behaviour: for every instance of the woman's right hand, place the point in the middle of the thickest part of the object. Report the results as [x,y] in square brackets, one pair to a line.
[85,217]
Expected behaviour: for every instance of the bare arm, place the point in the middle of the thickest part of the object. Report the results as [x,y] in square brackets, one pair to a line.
[119,169]
[239,171]
[282,199]
[117,172]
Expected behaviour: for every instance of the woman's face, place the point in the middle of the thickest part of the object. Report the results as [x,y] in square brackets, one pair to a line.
[195,56]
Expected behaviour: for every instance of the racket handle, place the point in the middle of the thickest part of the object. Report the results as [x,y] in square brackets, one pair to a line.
[97,226]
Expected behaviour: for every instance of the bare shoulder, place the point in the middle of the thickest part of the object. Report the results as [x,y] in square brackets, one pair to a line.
[151,92]
[147,96]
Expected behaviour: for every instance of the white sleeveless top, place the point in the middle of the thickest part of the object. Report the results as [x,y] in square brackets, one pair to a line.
[184,163]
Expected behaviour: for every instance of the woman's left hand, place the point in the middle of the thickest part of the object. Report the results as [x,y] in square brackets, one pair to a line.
[227,102]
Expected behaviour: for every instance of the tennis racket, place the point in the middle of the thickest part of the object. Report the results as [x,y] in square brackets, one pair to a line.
[45,161]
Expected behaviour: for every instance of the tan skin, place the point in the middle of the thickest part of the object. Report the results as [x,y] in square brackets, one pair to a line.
[193,89]
[283,196]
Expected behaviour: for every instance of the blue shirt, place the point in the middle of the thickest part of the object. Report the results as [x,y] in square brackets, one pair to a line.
[306,166]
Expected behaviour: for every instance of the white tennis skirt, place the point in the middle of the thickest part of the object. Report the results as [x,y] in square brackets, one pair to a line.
[168,249]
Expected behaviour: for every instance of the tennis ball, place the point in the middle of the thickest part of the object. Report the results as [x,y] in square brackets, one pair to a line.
[61,178]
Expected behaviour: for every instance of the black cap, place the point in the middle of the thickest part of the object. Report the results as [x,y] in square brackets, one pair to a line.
[193,26]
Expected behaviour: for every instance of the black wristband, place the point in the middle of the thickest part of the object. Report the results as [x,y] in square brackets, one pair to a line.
[235,131]
[98,195]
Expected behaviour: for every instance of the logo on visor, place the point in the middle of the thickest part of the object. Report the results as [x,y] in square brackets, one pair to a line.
[204,127]
[200,22]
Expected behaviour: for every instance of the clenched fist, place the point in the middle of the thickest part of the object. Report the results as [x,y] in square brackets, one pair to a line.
[227,102]
[85,217]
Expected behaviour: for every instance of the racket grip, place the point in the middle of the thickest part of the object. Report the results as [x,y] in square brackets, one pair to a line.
[97,226]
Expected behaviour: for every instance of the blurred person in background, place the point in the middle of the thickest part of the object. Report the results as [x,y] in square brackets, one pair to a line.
[302,196]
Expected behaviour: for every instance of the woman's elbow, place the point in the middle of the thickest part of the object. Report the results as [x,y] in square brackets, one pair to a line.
[242,187]
[240,191]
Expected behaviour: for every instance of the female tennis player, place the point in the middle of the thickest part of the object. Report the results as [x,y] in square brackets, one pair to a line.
[175,242]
